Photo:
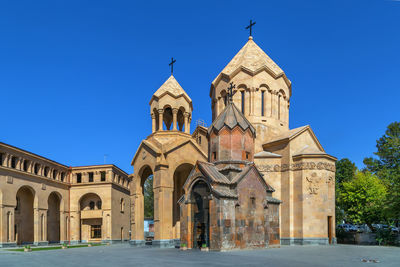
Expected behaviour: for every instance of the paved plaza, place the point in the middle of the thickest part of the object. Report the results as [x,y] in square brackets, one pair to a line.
[124,255]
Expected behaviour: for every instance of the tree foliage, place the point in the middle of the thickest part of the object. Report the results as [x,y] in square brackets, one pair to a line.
[148,197]
[345,172]
[387,167]
[363,198]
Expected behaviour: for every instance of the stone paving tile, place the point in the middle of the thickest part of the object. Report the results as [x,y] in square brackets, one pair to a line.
[124,255]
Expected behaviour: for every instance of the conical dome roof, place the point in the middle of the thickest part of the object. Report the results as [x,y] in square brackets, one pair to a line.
[172,87]
[231,117]
[252,59]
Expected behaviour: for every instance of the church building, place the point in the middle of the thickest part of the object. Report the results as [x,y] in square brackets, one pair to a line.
[299,176]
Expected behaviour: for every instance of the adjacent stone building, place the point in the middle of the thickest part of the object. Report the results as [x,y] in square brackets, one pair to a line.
[42,201]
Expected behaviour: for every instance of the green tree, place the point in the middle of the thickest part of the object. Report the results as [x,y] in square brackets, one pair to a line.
[387,166]
[148,197]
[363,198]
[345,172]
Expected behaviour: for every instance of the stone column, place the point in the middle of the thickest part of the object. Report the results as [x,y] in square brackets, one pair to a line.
[186,121]
[163,196]
[40,227]
[274,107]
[75,225]
[153,122]
[85,177]
[174,115]
[252,91]
[160,119]
[63,237]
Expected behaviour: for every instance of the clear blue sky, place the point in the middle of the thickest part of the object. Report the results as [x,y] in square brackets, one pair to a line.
[76,77]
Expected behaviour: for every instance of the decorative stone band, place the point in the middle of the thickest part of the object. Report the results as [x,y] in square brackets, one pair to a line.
[297,166]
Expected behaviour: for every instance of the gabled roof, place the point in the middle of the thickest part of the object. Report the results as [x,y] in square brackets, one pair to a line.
[231,117]
[149,145]
[253,59]
[290,135]
[171,87]
[266,154]
[209,170]
[307,150]
[246,170]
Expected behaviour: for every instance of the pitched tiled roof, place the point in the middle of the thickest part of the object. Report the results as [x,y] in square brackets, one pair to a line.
[212,172]
[231,117]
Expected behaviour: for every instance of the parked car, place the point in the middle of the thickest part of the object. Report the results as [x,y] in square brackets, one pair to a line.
[394,229]
[348,227]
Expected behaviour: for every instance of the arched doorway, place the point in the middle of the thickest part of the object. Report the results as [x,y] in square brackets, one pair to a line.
[53,218]
[200,197]
[91,218]
[146,183]
[24,227]
[180,175]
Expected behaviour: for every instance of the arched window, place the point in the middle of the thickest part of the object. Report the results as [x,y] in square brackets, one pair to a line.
[243,99]
[14,162]
[262,103]
[279,107]
[36,168]
[253,203]
[25,165]
[62,175]
[79,177]
[99,204]
[54,174]
[46,171]
[91,205]
[122,203]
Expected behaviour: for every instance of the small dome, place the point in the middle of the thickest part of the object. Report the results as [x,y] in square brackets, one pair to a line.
[231,117]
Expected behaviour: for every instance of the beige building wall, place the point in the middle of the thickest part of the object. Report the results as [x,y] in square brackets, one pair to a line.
[41,200]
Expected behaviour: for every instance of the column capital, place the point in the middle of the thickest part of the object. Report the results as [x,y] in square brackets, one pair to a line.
[175,111]
[153,116]
[186,114]
[161,110]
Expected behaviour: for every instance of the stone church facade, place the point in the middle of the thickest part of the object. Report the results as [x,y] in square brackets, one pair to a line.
[43,201]
[269,184]
[291,161]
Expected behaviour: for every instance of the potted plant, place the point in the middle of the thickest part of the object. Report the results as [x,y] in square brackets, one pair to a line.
[89,245]
[204,247]
[27,248]
[64,246]
[183,246]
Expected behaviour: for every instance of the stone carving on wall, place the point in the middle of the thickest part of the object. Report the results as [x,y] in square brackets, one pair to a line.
[329,180]
[313,183]
[297,166]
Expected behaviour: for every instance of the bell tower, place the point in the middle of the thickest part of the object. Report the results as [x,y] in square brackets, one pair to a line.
[171,108]
[262,91]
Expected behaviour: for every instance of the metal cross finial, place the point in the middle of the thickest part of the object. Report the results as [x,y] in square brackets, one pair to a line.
[250,26]
[172,65]
[230,92]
